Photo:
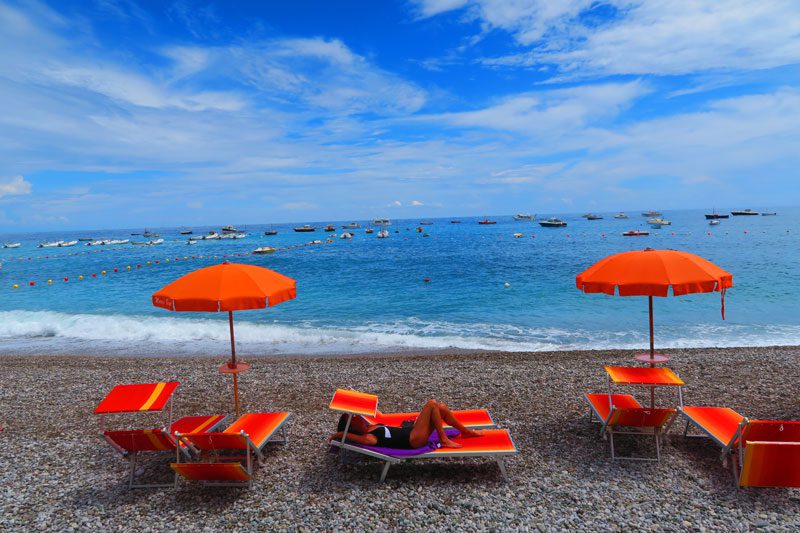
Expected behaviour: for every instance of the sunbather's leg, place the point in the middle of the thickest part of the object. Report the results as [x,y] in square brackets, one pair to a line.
[451,420]
[429,420]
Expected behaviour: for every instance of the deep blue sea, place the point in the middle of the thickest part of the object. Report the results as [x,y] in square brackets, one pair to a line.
[487,289]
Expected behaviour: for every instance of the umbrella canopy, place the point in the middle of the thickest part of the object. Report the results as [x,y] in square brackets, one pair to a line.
[652,273]
[227,287]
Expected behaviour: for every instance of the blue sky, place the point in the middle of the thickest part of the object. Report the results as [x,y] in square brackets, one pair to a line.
[116,113]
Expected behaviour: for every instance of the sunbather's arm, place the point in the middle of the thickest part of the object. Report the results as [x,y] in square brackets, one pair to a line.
[369,440]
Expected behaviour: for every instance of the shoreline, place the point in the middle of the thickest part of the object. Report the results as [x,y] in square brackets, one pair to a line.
[64,475]
[407,353]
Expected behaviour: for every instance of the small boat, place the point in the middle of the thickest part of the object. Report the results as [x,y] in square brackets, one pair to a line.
[330,227]
[594,217]
[636,233]
[455,222]
[352,225]
[487,222]
[346,235]
[264,250]
[382,234]
[769,214]
[714,215]
[744,212]
[84,239]
[191,241]
[426,223]
[524,216]
[659,222]
[518,235]
[271,232]
[149,234]
[553,223]
[53,244]
[118,241]
[186,232]
[586,215]
[11,245]
[210,236]
[381,222]
[652,214]
[369,230]
[154,243]
[229,229]
[620,216]
[713,222]
[99,242]
[305,229]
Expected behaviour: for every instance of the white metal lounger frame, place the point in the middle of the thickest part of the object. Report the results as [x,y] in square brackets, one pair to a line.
[250,446]
[389,460]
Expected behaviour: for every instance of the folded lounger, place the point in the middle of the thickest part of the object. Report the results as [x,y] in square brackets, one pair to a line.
[764,453]
[148,397]
[246,437]
[622,414]
[494,443]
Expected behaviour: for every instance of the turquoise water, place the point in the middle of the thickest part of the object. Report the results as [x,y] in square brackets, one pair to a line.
[487,289]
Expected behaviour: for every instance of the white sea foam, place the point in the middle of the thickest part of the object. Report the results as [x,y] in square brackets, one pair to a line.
[52,332]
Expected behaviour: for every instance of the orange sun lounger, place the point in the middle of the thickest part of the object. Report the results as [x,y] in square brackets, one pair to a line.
[494,443]
[622,414]
[247,437]
[764,453]
[148,397]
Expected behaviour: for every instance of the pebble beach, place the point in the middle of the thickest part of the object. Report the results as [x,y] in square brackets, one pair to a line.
[59,474]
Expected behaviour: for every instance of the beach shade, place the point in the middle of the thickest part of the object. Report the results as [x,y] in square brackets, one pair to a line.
[227,287]
[652,273]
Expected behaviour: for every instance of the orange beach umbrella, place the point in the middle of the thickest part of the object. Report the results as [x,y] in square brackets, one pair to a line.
[652,273]
[227,287]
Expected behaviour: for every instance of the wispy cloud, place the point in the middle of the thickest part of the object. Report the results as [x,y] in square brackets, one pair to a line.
[14,186]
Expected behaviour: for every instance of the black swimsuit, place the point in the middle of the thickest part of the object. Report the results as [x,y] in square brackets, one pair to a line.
[392,437]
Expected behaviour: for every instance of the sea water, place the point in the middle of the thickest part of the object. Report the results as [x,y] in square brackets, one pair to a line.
[486,289]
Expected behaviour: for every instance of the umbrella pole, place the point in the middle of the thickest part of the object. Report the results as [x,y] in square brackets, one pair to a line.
[232,364]
[652,351]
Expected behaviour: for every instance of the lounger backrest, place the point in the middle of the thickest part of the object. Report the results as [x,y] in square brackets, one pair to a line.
[141,440]
[771,431]
[216,441]
[771,464]
[640,417]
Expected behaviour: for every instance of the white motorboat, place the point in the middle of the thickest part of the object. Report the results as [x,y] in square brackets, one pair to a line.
[229,229]
[100,242]
[11,245]
[553,223]
[713,222]
[264,250]
[382,234]
[620,216]
[118,241]
[53,244]
[659,222]
[352,225]
[149,234]
[524,216]
[191,241]
[381,222]
[154,243]
[64,244]
[210,236]
[346,235]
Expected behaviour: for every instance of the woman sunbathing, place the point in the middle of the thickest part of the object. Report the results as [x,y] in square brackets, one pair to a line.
[430,419]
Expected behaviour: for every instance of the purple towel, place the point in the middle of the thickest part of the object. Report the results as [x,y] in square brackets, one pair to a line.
[433,443]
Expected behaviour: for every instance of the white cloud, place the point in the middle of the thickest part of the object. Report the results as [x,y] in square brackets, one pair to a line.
[14,186]
[416,203]
[552,112]
[299,205]
[396,203]
[642,36]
